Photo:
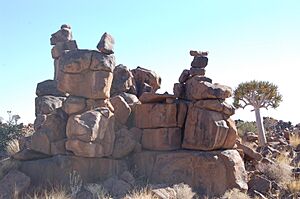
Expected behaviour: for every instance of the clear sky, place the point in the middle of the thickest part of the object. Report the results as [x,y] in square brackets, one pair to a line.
[246,40]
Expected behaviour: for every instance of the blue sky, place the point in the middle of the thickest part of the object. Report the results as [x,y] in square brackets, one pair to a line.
[246,40]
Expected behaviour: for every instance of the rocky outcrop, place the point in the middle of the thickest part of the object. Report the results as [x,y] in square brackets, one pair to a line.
[211,172]
[99,120]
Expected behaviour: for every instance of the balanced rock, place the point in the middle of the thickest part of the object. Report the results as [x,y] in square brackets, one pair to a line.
[91,134]
[106,44]
[200,59]
[211,172]
[196,89]
[206,130]
[86,73]
[197,71]
[48,87]
[184,76]
[164,139]
[62,47]
[160,115]
[123,81]
[144,77]
[62,35]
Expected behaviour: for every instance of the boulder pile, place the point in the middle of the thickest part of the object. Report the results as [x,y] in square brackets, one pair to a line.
[103,120]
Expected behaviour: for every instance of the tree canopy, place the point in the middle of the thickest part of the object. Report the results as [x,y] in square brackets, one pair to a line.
[259,94]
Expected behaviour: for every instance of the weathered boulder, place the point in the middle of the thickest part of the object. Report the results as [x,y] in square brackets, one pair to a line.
[57,169]
[106,44]
[123,81]
[160,115]
[48,87]
[197,71]
[179,90]
[260,184]
[74,104]
[196,89]
[50,128]
[184,76]
[62,35]
[91,134]
[86,73]
[62,47]
[124,143]
[249,153]
[27,154]
[216,105]
[206,130]
[150,97]
[164,139]
[212,173]
[121,109]
[199,62]
[47,104]
[13,184]
[144,77]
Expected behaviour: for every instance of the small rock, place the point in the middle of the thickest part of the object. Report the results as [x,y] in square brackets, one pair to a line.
[106,44]
[184,76]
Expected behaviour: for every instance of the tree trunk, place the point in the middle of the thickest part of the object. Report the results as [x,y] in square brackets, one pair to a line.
[261,131]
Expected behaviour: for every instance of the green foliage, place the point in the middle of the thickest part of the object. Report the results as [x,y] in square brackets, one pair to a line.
[9,132]
[244,127]
[259,94]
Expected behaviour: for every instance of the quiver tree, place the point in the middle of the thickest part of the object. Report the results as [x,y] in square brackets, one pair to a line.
[258,94]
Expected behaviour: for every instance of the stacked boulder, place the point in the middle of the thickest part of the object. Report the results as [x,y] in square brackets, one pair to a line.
[208,126]
[196,118]
[102,120]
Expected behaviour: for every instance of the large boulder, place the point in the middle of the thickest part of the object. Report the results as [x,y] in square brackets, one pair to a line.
[13,184]
[123,81]
[121,109]
[206,130]
[48,128]
[48,87]
[212,173]
[74,105]
[58,169]
[91,134]
[160,115]
[86,73]
[146,80]
[216,105]
[62,47]
[164,139]
[124,143]
[197,89]
[47,104]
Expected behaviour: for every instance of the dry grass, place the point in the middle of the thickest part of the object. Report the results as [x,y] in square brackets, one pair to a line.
[141,193]
[280,171]
[183,191]
[97,190]
[294,186]
[294,140]
[54,193]
[235,194]
[12,147]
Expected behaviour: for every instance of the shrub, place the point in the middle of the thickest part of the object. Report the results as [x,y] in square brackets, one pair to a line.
[244,127]
[12,147]
[294,140]
[235,194]
[183,191]
[9,132]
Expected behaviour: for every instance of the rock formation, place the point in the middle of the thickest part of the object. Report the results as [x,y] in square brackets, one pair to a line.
[89,119]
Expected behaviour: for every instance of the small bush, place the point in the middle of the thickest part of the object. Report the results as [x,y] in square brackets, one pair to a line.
[12,147]
[54,193]
[280,172]
[183,191]
[294,186]
[141,193]
[294,140]
[235,194]
[9,132]
[243,127]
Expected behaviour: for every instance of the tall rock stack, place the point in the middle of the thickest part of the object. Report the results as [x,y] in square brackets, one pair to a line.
[103,120]
[208,126]
[196,118]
